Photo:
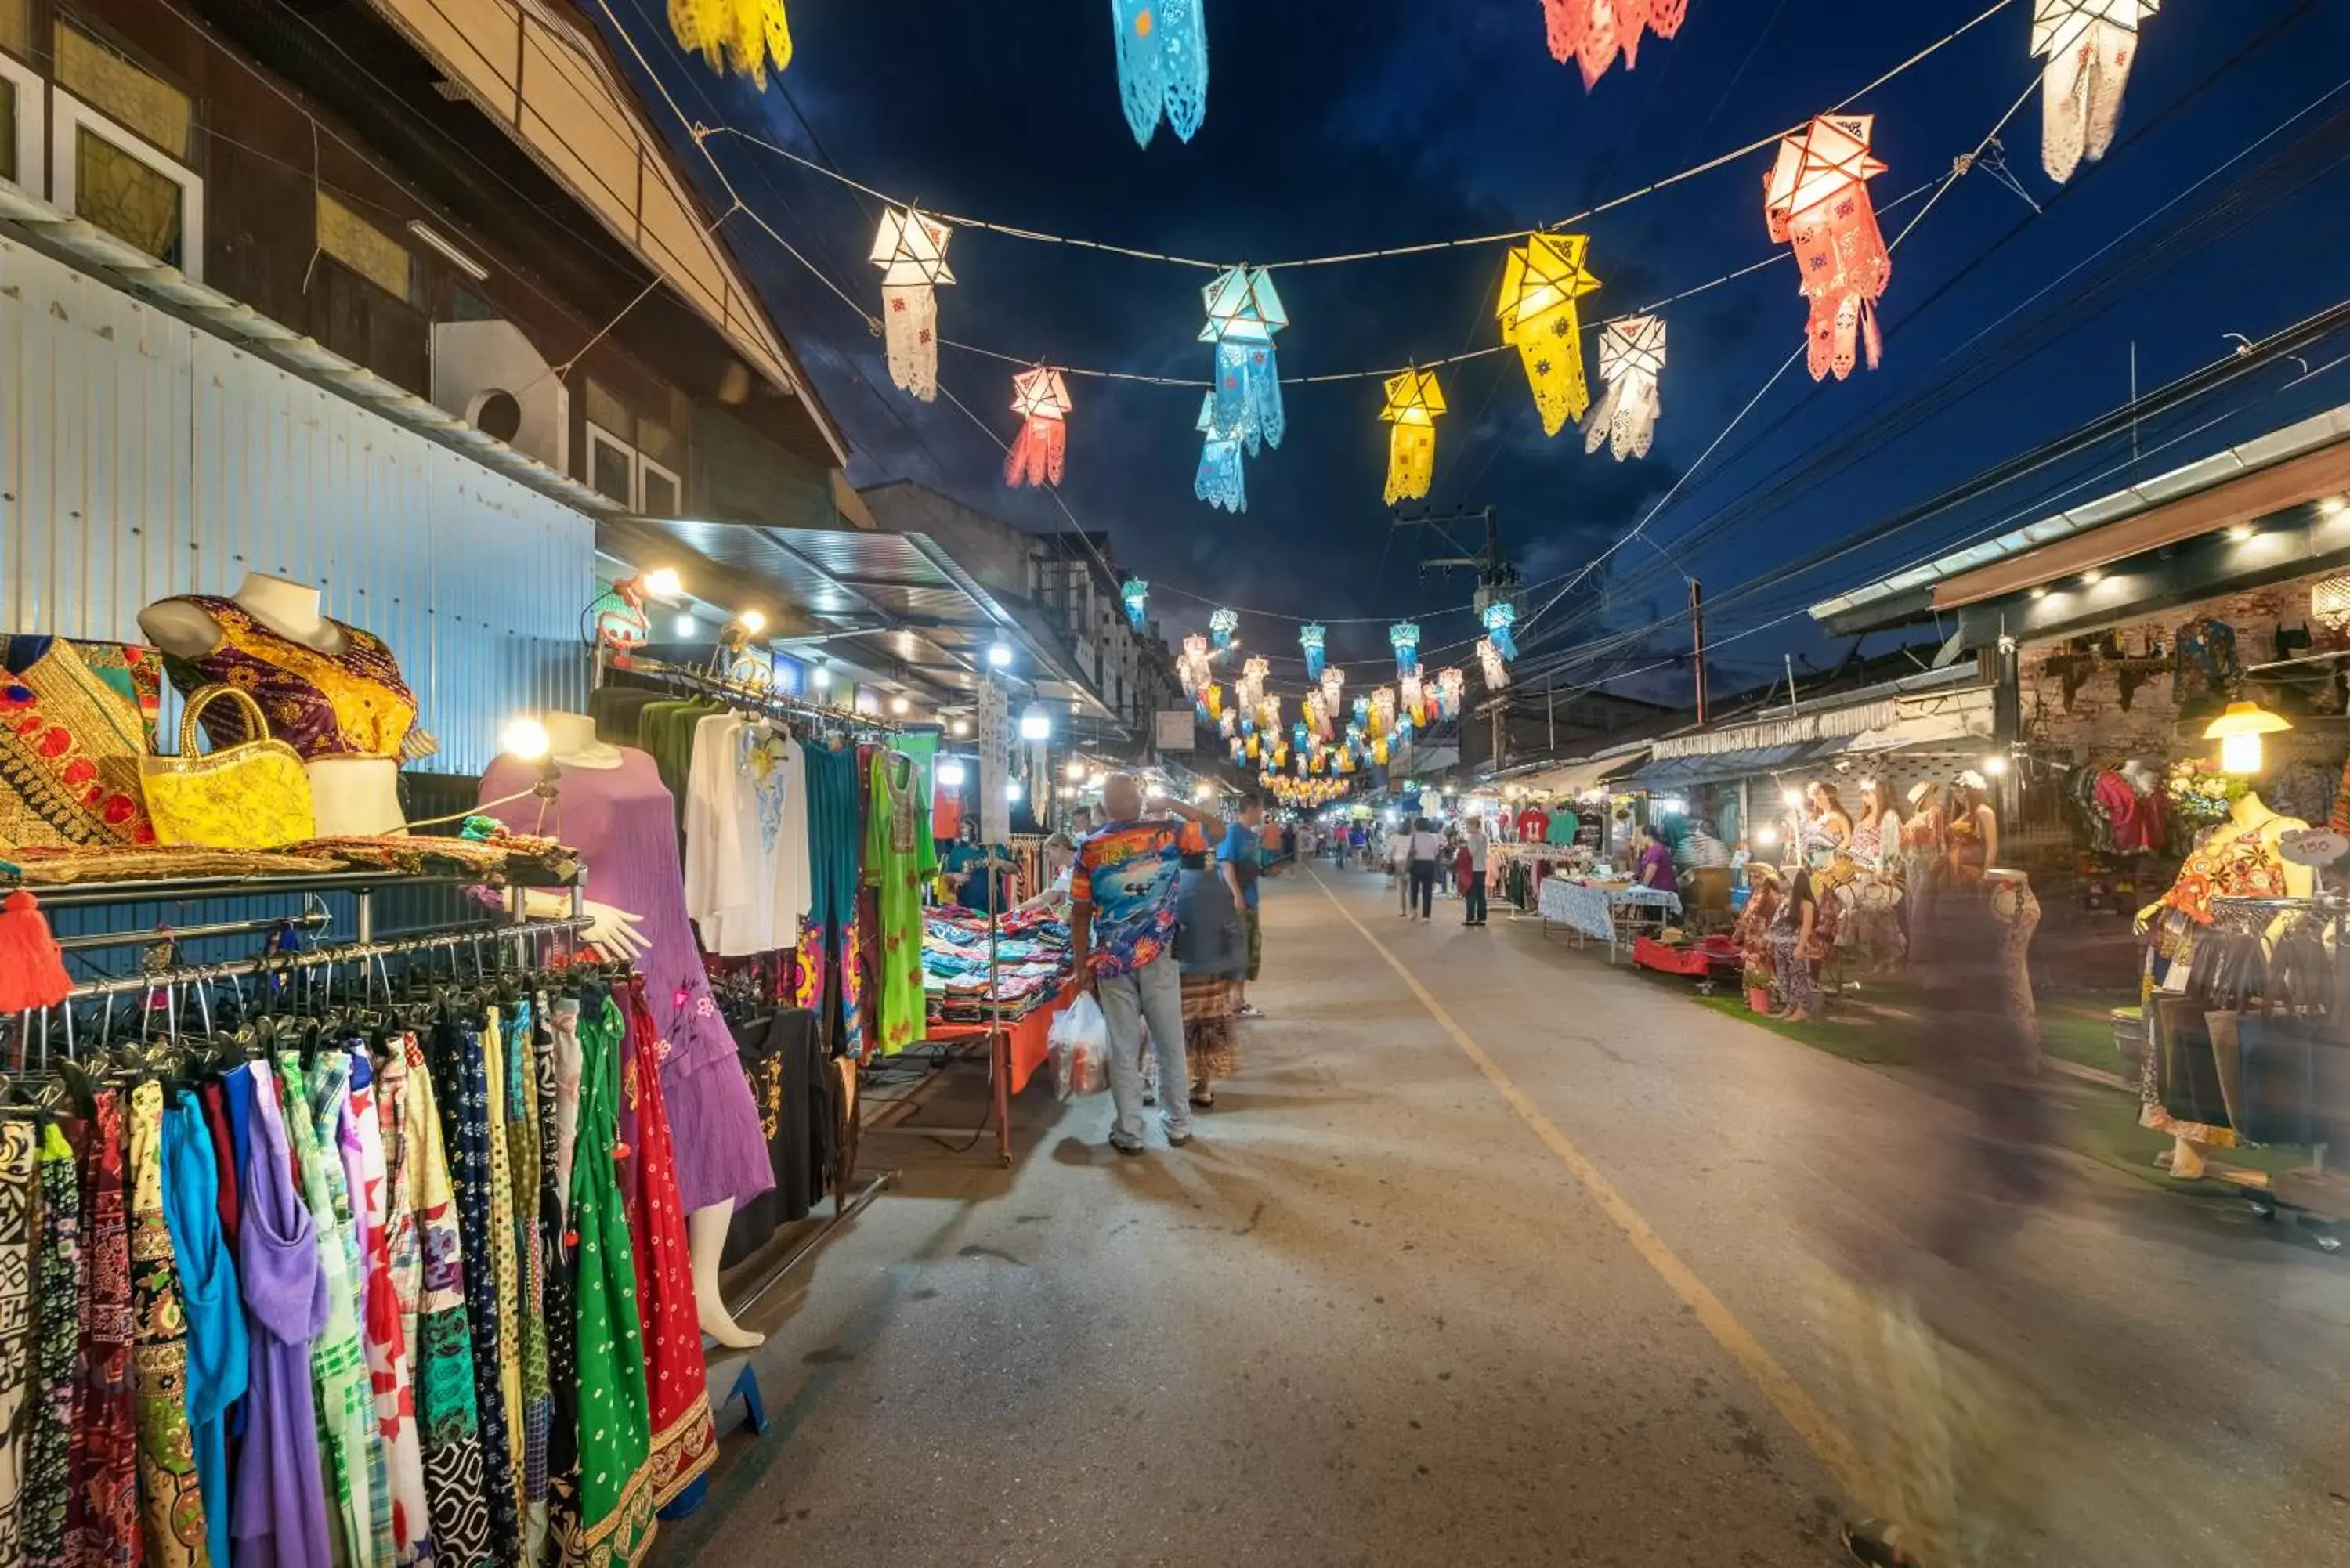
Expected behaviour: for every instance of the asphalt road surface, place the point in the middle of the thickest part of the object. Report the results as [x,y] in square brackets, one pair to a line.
[1495,1255]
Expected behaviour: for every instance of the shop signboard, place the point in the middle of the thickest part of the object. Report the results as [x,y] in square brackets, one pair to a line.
[791,675]
[1175,729]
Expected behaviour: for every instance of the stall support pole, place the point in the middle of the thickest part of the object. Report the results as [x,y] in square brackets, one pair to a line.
[999,1042]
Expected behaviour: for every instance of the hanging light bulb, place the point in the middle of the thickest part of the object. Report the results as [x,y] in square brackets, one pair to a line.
[2239,732]
[911,249]
[1041,397]
[1540,284]
[1414,402]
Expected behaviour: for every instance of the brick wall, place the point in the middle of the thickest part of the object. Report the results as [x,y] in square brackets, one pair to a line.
[2097,726]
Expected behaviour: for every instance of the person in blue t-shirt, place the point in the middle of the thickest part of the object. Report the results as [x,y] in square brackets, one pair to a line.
[1240,860]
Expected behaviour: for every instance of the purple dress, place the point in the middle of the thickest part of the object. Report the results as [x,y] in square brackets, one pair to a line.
[280,1510]
[623,822]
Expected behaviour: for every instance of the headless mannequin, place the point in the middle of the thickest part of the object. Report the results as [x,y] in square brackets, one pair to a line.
[573,744]
[351,795]
[2249,815]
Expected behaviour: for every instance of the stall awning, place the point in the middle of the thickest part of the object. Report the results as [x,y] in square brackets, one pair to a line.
[1680,773]
[1942,719]
[1590,772]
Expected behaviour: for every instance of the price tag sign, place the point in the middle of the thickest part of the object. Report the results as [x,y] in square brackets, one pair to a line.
[2313,846]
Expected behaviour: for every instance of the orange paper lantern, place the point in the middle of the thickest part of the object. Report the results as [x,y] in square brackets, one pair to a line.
[1591,32]
[1041,397]
[1817,200]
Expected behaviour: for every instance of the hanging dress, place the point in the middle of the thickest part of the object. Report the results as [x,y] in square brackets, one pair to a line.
[446,1416]
[600,1506]
[47,1492]
[677,1385]
[217,1355]
[337,1363]
[379,1113]
[345,1101]
[19,1194]
[281,1502]
[2230,862]
[524,1171]
[900,855]
[173,1501]
[504,1273]
[102,1528]
[464,1097]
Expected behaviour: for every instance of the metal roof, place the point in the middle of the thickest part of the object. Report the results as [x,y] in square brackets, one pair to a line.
[2234,462]
[896,604]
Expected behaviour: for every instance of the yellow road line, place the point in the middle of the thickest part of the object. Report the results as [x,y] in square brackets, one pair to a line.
[1795,1407]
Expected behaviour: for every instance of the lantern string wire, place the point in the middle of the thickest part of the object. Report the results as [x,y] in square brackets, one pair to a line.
[702,132]
[1591,329]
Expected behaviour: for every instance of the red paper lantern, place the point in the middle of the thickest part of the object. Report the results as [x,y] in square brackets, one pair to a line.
[1592,31]
[1817,200]
[1041,397]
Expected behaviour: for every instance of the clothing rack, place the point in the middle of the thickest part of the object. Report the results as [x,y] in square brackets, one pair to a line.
[758,696]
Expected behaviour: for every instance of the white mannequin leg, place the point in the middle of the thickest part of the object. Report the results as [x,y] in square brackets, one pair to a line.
[705,1232]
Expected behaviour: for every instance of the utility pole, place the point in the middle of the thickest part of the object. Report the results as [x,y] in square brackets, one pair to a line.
[1697,631]
[1497,581]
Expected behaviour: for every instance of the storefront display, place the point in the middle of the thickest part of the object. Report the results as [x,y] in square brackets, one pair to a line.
[333,693]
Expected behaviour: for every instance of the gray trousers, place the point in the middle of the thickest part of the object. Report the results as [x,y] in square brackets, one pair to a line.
[1152,994]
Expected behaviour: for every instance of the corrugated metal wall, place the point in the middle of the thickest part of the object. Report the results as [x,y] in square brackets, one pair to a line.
[140,457]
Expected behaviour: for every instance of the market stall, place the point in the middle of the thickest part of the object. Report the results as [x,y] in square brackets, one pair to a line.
[1614,912]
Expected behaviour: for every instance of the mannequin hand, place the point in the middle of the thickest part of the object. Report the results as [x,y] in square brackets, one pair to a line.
[614,931]
[419,745]
[2146,917]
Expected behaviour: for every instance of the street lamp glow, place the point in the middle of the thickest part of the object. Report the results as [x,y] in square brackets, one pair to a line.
[1035,724]
[524,739]
[999,656]
[1012,789]
[661,583]
[753,622]
[899,705]
[962,727]
[950,773]
[821,676]
[1074,771]
[687,627]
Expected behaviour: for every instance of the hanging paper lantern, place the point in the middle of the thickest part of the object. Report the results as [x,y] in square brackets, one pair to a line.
[2089,44]
[911,249]
[1240,751]
[1334,692]
[1302,770]
[1310,638]
[1215,700]
[1591,31]
[1137,595]
[1499,617]
[1817,199]
[1222,624]
[1383,711]
[1414,402]
[1231,721]
[1497,671]
[1631,358]
[1219,482]
[1193,667]
[745,37]
[1378,751]
[1404,638]
[1244,311]
[1162,64]
[1041,398]
[1448,685]
[1301,737]
[1412,698]
[1268,711]
[1362,716]
[1540,284]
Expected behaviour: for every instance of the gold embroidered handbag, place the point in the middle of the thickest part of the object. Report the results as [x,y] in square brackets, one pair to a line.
[251,795]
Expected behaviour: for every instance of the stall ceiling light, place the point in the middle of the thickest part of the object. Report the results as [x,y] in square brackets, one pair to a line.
[448,249]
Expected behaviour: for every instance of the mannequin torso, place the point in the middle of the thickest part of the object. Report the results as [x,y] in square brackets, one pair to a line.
[351,795]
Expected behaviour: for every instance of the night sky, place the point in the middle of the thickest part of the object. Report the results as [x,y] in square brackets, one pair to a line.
[1333,128]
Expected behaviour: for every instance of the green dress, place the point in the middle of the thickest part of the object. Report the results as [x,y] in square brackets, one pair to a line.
[601,1504]
[338,1361]
[900,856]
[168,1486]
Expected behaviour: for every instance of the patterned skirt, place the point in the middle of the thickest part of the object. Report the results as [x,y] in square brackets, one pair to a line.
[1210,1026]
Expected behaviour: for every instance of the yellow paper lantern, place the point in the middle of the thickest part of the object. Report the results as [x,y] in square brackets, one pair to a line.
[742,35]
[1540,284]
[1414,402]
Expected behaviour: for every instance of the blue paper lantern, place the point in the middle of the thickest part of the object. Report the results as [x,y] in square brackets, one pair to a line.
[1499,618]
[1219,482]
[1310,638]
[1162,64]
[1404,637]
[1244,311]
[1136,594]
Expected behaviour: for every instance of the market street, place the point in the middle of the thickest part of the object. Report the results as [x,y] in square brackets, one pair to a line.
[1376,1307]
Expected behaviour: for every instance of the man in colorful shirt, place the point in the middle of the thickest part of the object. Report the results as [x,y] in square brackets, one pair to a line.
[1240,860]
[1122,936]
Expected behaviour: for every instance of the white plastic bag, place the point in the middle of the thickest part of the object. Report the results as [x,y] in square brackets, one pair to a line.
[1080,1044]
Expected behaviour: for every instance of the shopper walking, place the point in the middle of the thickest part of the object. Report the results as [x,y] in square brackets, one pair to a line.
[1212,947]
[1400,866]
[1122,923]
[1240,861]
[1475,859]
[1422,846]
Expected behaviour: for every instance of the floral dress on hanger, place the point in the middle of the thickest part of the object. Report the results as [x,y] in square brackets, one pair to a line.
[2231,862]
